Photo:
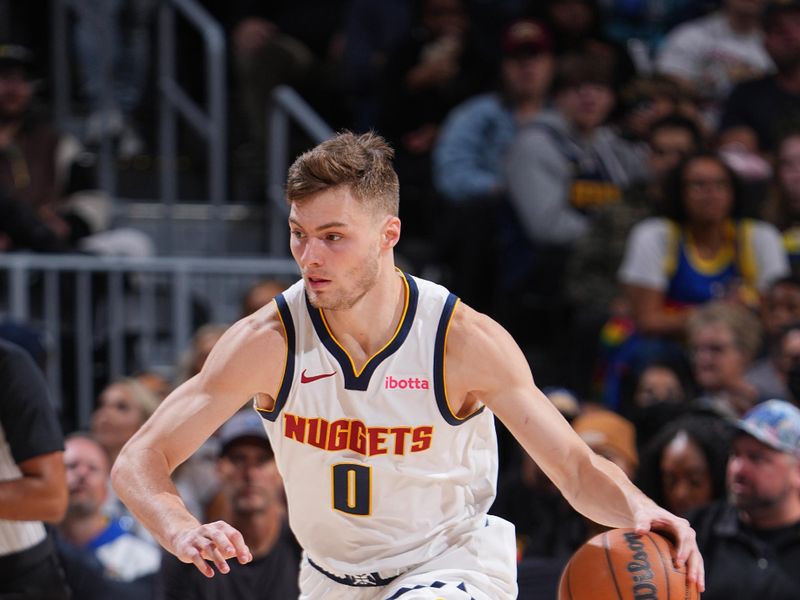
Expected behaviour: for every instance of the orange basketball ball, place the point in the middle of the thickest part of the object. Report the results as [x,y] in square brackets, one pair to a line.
[623,565]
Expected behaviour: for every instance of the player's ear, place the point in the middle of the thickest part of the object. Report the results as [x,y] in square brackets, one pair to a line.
[390,232]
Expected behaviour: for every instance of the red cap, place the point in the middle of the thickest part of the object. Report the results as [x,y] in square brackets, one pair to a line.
[526,36]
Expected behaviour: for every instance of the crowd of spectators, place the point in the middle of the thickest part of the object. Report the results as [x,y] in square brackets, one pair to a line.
[618,183]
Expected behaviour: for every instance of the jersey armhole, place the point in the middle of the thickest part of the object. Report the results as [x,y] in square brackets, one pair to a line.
[440,369]
[285,316]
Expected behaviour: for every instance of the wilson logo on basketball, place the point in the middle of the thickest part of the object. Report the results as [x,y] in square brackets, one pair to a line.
[640,569]
[405,383]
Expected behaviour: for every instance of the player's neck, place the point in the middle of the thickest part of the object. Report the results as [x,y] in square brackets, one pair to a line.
[365,328]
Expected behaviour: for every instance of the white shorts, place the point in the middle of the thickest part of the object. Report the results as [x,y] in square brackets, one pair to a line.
[481,566]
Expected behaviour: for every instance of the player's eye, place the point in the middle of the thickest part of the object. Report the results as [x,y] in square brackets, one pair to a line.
[333,237]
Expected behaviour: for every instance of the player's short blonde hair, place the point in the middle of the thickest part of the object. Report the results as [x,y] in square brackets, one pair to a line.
[363,163]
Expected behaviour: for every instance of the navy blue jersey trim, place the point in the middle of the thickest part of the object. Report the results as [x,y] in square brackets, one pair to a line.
[363,580]
[438,366]
[288,373]
[435,585]
[360,381]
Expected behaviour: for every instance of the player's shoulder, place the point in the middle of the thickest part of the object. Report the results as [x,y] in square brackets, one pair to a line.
[480,354]
[265,327]
[473,333]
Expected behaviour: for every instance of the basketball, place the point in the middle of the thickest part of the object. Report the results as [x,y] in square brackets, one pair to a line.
[623,565]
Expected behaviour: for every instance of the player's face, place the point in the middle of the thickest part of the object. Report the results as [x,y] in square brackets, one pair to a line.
[249,478]
[338,243]
[760,478]
[685,477]
[87,472]
[116,418]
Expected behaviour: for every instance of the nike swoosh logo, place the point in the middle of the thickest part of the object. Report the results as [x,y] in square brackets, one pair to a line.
[306,379]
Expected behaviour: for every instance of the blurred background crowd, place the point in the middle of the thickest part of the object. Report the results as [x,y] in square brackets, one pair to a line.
[616,181]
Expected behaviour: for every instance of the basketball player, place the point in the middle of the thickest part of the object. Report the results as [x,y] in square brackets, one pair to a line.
[377,391]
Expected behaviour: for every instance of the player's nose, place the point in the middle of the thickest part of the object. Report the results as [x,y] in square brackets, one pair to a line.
[312,253]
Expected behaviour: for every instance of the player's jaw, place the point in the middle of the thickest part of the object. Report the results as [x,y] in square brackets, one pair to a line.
[344,291]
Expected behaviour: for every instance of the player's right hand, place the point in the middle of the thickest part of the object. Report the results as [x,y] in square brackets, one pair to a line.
[215,542]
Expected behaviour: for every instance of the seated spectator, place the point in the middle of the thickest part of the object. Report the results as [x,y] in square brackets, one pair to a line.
[660,382]
[429,72]
[200,346]
[122,407]
[252,503]
[34,488]
[711,54]
[780,306]
[578,27]
[591,283]
[609,435]
[645,22]
[48,199]
[155,382]
[86,528]
[469,156]
[724,339]
[783,206]
[644,101]
[751,542]
[683,466]
[700,250]
[561,168]
[260,294]
[765,107]
[778,375]
[655,394]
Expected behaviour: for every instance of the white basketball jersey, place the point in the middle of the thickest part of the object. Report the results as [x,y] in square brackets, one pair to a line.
[379,473]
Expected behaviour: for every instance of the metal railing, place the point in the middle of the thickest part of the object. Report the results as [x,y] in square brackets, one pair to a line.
[98,19]
[209,122]
[286,105]
[107,317]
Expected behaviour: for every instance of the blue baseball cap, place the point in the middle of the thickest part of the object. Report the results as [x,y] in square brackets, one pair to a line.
[775,423]
[244,425]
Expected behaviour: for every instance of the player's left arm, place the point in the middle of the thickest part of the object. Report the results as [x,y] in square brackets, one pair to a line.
[485,365]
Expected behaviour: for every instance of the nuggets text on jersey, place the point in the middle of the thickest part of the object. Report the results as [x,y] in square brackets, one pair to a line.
[354,435]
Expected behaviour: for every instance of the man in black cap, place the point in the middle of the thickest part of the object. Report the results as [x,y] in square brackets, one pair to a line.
[764,107]
[751,542]
[251,499]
